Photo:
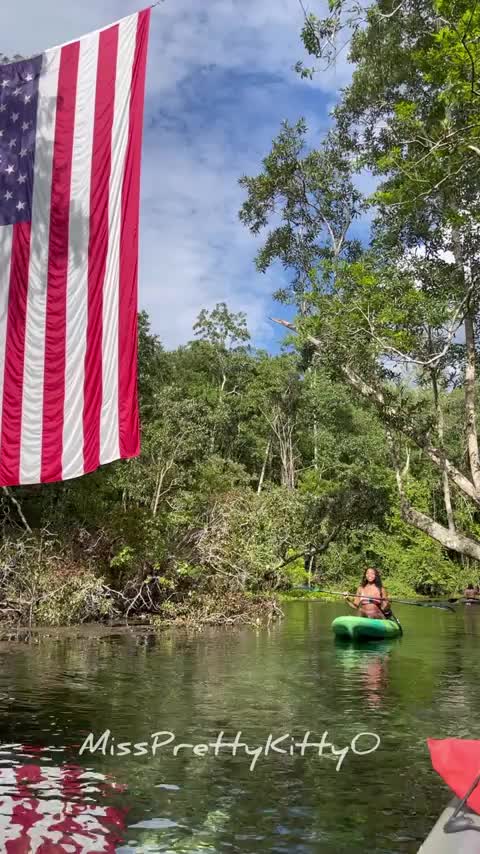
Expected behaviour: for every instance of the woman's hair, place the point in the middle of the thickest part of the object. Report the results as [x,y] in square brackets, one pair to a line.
[377,581]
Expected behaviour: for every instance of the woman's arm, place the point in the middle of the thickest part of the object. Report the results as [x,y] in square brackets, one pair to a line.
[356,601]
[384,603]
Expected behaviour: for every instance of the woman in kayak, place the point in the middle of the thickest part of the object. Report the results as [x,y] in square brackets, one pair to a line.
[371,589]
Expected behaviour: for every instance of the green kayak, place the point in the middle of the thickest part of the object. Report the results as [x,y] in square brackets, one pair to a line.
[362,628]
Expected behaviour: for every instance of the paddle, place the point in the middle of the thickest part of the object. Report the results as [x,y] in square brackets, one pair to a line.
[390,617]
[442,605]
[465,599]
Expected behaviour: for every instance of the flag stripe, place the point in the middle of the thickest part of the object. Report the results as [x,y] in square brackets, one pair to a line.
[54,370]
[32,406]
[6,234]
[127,356]
[109,438]
[15,348]
[98,243]
[76,306]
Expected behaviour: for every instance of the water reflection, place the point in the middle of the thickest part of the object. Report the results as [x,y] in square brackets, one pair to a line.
[471,618]
[368,665]
[54,808]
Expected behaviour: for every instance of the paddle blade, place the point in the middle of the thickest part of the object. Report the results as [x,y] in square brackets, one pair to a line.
[457,761]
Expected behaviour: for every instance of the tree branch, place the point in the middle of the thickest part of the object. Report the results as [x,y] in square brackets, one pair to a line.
[452,330]
[19,509]
[449,539]
[436,455]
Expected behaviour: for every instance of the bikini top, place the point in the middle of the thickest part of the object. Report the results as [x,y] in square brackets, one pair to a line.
[370,599]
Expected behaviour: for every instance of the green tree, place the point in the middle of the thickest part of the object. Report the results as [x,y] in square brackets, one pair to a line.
[387,319]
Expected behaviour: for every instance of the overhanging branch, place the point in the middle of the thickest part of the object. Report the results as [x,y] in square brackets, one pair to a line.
[391,415]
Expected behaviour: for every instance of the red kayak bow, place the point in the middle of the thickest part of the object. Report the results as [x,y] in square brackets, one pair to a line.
[457,761]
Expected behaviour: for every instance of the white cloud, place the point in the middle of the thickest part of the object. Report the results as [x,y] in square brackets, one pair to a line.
[194,251]
[244,35]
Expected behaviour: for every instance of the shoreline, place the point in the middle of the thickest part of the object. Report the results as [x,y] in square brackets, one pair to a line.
[232,612]
[249,611]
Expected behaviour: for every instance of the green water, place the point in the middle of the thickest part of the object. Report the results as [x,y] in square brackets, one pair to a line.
[288,680]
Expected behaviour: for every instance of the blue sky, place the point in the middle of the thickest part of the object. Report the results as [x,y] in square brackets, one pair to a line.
[220,82]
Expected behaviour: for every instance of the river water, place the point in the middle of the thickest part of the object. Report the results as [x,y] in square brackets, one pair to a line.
[283,682]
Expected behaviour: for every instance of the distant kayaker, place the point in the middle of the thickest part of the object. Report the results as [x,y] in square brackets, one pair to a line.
[371,588]
[471,592]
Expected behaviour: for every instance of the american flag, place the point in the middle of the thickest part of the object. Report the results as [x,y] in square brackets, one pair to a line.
[71,125]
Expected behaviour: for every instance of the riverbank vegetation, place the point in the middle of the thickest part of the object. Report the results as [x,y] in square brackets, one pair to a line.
[356,444]
[256,472]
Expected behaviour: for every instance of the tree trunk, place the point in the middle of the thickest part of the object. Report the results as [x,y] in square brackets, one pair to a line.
[470,394]
[464,270]
[156,497]
[217,410]
[315,424]
[161,475]
[286,455]
[315,443]
[283,428]
[448,502]
[440,425]
[264,466]
[312,567]
[450,540]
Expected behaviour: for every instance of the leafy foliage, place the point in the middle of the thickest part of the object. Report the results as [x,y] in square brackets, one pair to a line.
[192,522]
[395,319]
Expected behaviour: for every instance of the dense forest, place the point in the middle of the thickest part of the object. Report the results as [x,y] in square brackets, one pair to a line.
[256,470]
[358,442]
